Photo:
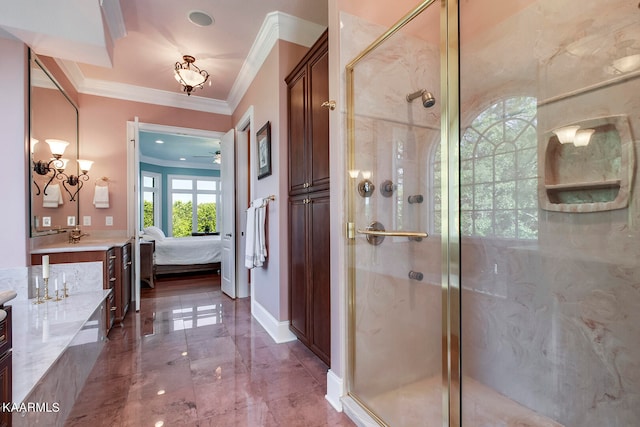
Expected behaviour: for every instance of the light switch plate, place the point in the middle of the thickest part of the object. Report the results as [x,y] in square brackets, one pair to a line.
[86,220]
[108,220]
[71,221]
[46,221]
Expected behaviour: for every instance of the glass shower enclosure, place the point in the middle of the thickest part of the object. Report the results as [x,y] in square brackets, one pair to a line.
[493,215]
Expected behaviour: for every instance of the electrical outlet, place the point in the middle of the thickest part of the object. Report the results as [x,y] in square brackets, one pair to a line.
[86,221]
[108,221]
[46,221]
[71,221]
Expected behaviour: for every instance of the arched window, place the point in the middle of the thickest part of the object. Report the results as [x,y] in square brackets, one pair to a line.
[498,171]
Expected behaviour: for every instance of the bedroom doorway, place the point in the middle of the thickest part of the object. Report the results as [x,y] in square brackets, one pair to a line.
[135,157]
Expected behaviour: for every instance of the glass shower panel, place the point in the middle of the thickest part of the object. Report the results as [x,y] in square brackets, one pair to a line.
[549,213]
[396,332]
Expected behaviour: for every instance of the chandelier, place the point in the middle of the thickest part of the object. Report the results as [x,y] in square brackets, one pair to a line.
[190,76]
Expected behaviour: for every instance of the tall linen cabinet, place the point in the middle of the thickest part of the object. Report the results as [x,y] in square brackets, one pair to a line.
[309,248]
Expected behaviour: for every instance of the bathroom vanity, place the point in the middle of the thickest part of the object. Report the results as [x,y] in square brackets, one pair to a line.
[116,258]
[5,363]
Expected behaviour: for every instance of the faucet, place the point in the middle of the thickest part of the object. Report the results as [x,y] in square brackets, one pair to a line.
[75,235]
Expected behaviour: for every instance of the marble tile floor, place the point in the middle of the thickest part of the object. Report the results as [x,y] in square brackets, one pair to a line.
[194,357]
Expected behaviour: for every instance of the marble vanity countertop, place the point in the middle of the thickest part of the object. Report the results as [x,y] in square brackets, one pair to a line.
[42,332]
[85,244]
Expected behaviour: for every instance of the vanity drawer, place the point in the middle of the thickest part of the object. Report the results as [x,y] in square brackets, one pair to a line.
[5,331]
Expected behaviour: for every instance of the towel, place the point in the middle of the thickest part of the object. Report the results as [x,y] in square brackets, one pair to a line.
[256,246]
[52,196]
[101,196]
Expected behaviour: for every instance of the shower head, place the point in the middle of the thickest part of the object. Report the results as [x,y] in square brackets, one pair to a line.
[427,98]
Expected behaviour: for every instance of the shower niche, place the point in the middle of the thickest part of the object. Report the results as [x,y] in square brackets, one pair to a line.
[587,166]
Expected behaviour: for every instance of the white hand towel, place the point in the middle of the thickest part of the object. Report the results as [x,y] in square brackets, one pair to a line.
[101,196]
[256,247]
[250,244]
[52,196]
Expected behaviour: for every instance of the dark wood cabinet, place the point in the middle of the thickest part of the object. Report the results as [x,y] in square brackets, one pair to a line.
[308,121]
[6,385]
[123,281]
[309,209]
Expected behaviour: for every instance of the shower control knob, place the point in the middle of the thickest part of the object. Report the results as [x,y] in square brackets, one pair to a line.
[416,275]
[386,188]
[417,198]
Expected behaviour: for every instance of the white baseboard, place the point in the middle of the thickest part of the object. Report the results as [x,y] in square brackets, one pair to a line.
[279,331]
[335,390]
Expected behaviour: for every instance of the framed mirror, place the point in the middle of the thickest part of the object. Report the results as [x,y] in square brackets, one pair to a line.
[53,121]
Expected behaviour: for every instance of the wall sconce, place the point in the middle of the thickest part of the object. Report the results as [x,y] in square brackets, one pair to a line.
[566,134]
[573,134]
[72,180]
[583,137]
[42,167]
[56,167]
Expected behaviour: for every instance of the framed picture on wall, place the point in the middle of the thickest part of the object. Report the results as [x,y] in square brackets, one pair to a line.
[263,140]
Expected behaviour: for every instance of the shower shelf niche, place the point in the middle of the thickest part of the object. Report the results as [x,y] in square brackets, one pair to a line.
[591,178]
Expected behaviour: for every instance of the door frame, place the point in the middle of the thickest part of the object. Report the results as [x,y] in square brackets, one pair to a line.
[133,175]
[245,184]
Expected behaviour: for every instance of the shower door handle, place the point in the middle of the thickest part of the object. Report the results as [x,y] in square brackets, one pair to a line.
[331,105]
[392,233]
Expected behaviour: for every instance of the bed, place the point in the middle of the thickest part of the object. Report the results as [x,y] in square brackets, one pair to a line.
[184,254]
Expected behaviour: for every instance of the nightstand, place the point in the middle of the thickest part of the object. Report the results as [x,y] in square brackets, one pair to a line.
[147,267]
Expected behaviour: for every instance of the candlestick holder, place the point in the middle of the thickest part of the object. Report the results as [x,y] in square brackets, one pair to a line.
[57,298]
[46,289]
[65,293]
[38,299]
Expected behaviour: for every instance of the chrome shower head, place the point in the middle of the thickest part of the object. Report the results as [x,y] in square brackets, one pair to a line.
[428,99]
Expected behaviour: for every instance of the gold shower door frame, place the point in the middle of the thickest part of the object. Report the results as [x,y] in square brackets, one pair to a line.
[450,234]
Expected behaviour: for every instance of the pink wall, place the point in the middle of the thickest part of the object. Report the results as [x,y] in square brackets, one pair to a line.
[14,216]
[103,139]
[268,95]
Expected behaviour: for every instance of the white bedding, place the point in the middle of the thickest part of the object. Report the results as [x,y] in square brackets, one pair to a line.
[188,250]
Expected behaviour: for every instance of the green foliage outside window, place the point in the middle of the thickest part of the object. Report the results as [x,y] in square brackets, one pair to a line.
[183,218]
[147,214]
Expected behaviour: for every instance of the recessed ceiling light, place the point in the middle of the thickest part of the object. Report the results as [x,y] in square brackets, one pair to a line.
[182,158]
[201,19]
[159,141]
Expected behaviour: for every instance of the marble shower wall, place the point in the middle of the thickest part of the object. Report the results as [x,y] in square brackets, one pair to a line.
[552,323]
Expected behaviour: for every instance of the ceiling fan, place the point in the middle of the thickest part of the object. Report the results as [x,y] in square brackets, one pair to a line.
[217,157]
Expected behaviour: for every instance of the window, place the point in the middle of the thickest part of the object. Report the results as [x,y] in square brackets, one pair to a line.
[193,204]
[151,199]
[498,172]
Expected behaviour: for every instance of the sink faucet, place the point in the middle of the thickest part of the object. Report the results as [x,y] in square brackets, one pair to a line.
[75,235]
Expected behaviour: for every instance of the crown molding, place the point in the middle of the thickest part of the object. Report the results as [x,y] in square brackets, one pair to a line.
[276,26]
[153,96]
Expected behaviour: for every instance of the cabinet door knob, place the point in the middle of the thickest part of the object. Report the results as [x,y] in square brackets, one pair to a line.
[114,308]
[331,104]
